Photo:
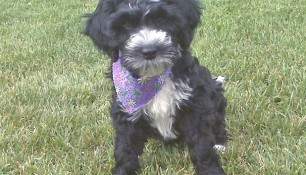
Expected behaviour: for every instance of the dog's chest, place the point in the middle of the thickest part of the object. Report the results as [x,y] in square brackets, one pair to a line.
[162,108]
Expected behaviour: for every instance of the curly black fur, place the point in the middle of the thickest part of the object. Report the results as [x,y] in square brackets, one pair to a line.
[198,120]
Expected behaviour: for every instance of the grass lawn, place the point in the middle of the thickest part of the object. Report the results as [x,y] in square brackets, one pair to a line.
[54,97]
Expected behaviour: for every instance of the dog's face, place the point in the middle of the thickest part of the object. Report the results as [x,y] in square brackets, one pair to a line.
[148,35]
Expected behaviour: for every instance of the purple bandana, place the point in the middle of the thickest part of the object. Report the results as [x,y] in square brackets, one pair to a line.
[136,92]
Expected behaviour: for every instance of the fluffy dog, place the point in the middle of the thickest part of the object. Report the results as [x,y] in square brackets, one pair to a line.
[160,90]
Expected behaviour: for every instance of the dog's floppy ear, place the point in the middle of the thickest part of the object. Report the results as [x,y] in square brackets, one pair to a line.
[97,27]
[192,15]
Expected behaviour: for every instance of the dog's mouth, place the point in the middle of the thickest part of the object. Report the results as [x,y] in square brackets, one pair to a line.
[141,66]
[147,68]
[149,52]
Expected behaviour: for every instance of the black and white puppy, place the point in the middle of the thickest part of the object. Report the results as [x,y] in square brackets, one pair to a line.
[147,38]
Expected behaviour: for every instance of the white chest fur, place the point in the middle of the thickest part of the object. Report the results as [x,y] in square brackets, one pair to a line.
[162,108]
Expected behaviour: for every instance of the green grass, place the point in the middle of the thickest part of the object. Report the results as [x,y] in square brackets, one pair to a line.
[54,97]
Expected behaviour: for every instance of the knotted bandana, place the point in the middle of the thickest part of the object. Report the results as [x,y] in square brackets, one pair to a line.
[134,92]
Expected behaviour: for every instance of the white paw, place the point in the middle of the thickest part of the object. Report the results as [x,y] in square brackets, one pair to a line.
[220,148]
[220,80]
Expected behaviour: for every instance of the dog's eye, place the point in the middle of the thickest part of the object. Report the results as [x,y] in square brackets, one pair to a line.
[129,25]
[125,22]
[160,18]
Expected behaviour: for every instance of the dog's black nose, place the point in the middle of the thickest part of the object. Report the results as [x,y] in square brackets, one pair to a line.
[149,53]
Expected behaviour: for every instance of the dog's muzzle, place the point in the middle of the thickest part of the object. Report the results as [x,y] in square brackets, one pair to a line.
[148,52]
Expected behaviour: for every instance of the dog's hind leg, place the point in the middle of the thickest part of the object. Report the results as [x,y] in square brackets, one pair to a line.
[220,134]
[219,127]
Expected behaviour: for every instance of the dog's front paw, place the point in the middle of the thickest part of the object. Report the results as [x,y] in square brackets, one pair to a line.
[121,171]
[212,171]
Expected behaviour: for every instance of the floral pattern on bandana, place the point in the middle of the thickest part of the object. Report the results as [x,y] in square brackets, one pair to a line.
[132,92]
